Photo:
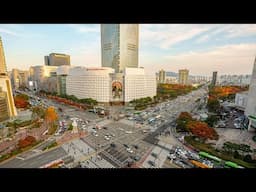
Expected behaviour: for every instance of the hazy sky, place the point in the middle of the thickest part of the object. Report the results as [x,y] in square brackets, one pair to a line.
[201,48]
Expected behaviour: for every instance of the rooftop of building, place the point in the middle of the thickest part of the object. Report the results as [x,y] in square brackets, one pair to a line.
[97,71]
[243,93]
[62,54]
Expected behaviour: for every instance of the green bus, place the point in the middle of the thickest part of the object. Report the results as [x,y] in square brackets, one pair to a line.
[208,156]
[230,164]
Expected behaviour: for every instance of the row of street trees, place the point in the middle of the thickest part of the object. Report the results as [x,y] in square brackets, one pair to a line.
[185,123]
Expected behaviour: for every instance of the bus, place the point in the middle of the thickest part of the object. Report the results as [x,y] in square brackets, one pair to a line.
[208,156]
[54,164]
[230,164]
[198,164]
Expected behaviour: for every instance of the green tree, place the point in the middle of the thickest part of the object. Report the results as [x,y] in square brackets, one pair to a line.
[211,120]
[213,105]
[248,158]
[38,112]
[70,128]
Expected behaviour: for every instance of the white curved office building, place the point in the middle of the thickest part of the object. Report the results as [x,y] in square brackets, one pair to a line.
[89,83]
[106,86]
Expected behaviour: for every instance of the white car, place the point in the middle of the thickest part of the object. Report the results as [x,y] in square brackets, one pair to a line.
[107,138]
[129,150]
[95,134]
[128,131]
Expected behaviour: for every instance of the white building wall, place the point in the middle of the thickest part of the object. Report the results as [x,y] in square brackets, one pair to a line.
[89,84]
[251,106]
[241,99]
[139,86]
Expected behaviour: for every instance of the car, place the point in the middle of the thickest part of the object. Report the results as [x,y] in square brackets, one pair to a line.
[126,145]
[95,134]
[136,146]
[107,138]
[113,135]
[172,156]
[129,150]
[128,132]
[151,163]
[154,155]
[94,131]
[136,158]
[113,145]
[104,127]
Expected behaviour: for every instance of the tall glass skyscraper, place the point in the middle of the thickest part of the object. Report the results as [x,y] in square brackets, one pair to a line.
[5,84]
[3,70]
[250,110]
[119,46]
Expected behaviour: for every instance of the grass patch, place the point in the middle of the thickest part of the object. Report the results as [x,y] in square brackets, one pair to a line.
[50,146]
[17,151]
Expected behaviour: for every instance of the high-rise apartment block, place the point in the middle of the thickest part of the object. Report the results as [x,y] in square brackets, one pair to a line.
[183,76]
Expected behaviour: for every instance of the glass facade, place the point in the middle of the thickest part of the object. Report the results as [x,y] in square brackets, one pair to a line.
[119,46]
[4,115]
[61,84]
[3,69]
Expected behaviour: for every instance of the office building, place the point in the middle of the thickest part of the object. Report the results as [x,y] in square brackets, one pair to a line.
[62,73]
[171,80]
[3,68]
[106,86]
[161,76]
[5,84]
[239,80]
[250,110]
[241,100]
[119,46]
[19,78]
[138,84]
[183,76]
[214,78]
[57,59]
[44,78]
[89,83]
[4,114]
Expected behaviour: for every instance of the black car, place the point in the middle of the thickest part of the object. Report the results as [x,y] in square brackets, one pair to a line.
[113,145]
[104,127]
[136,146]
[136,158]
[151,163]
[154,155]
[126,145]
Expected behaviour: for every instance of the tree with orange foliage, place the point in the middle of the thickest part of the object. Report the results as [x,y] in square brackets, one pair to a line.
[51,117]
[202,130]
[21,101]
[51,114]
[29,140]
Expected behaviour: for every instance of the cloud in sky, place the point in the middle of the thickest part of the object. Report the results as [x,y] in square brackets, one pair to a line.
[166,36]
[228,59]
[89,28]
[9,32]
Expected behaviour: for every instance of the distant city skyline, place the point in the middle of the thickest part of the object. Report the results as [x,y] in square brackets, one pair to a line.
[200,48]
